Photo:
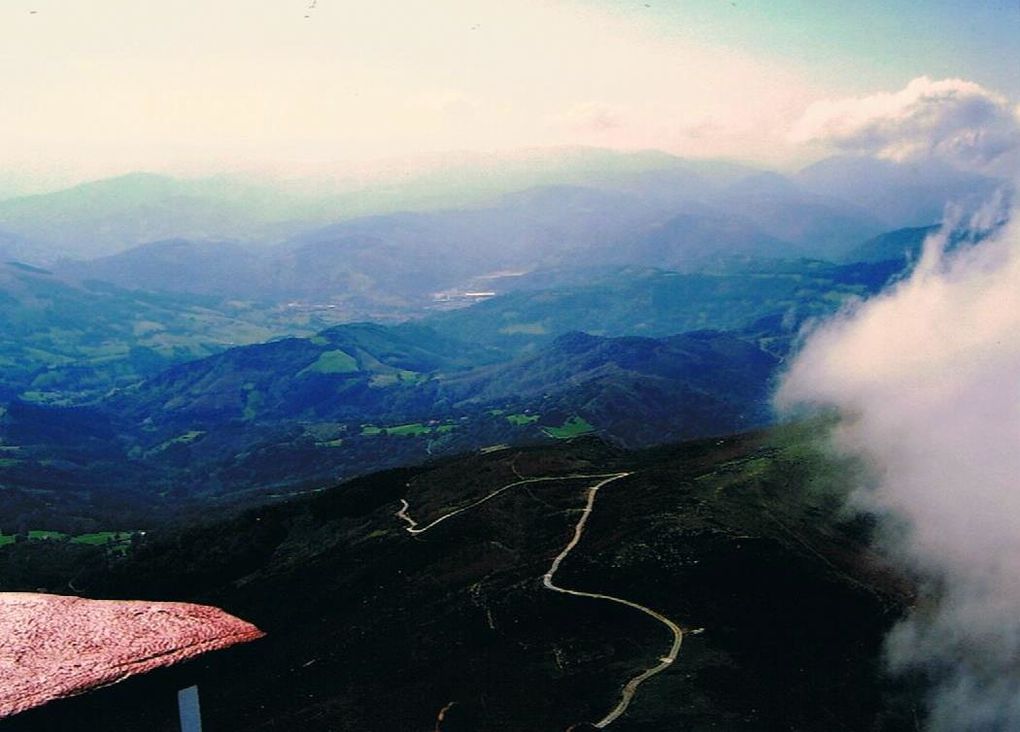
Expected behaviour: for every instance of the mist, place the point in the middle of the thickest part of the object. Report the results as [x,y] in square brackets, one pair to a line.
[926,377]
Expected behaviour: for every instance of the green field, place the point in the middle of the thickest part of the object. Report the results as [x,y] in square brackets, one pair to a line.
[102,537]
[414,429]
[46,535]
[333,362]
[519,420]
[573,427]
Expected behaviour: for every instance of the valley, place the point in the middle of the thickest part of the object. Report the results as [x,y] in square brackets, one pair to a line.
[554,497]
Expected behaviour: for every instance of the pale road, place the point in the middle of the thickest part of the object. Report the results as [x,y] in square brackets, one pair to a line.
[631,687]
[412,525]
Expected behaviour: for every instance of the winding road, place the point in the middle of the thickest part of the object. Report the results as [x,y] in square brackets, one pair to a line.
[631,687]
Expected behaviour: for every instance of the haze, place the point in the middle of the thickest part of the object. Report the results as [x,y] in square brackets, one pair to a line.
[110,86]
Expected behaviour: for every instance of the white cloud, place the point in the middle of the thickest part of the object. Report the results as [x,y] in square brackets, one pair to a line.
[928,378]
[952,119]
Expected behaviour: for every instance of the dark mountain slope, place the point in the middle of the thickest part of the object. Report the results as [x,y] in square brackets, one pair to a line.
[691,241]
[357,398]
[900,194]
[67,340]
[739,540]
[178,265]
[901,244]
[657,303]
[343,372]
[638,391]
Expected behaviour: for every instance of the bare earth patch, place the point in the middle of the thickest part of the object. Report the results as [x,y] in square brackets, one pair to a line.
[53,647]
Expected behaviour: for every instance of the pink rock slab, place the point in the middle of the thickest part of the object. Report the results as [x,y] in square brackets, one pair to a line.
[53,646]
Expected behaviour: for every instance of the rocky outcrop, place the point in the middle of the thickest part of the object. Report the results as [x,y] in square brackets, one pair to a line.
[53,646]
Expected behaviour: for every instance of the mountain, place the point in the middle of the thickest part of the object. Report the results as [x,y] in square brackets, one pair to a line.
[900,194]
[341,373]
[901,244]
[265,418]
[104,217]
[672,218]
[292,414]
[177,265]
[907,245]
[67,340]
[819,226]
[656,303]
[739,541]
[670,221]
[639,391]
[412,256]
[690,241]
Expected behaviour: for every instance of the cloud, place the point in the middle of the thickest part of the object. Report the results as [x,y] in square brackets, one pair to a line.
[592,118]
[951,119]
[927,377]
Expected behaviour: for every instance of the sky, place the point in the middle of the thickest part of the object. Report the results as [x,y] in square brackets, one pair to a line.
[100,87]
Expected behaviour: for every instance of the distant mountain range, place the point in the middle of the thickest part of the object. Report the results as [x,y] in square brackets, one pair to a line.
[111,215]
[299,239]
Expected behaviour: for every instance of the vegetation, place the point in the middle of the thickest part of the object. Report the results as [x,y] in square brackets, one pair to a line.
[332,362]
[519,420]
[573,427]
[740,535]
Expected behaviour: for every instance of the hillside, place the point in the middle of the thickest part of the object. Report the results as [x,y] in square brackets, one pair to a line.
[299,413]
[655,303]
[739,540]
[639,391]
[66,340]
[323,248]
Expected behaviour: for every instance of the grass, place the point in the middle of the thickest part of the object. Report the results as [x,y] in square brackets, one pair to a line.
[333,362]
[102,537]
[414,429]
[117,541]
[519,420]
[35,534]
[573,427]
[399,377]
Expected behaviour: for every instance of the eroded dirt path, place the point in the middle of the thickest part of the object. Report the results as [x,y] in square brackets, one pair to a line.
[548,579]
